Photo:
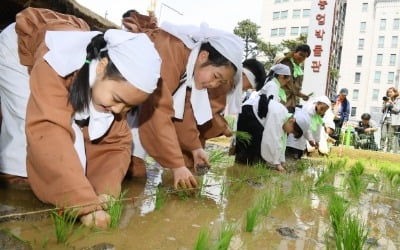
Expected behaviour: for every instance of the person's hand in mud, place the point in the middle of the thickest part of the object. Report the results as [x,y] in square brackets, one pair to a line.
[313,143]
[100,219]
[105,200]
[183,178]
[200,157]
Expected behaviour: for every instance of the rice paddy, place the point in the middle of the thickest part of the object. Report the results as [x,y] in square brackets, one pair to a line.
[322,203]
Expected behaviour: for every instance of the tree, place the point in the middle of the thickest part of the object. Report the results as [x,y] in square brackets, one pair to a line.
[292,44]
[255,47]
[248,30]
[268,52]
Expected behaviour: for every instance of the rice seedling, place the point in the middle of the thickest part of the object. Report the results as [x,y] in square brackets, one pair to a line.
[201,190]
[356,185]
[64,221]
[323,177]
[266,202]
[203,240]
[183,194]
[372,177]
[325,189]
[302,165]
[337,165]
[223,192]
[261,171]
[355,179]
[354,235]
[161,196]
[252,217]
[225,236]
[218,156]
[357,169]
[231,120]
[326,175]
[234,186]
[301,187]
[392,175]
[243,137]
[114,209]
[337,208]
[240,135]
[279,195]
[45,242]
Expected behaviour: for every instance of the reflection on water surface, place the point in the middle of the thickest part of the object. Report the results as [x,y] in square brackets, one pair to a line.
[299,218]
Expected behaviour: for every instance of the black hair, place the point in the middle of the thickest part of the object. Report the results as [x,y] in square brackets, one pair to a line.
[128,13]
[79,92]
[298,132]
[303,48]
[215,58]
[263,104]
[270,76]
[365,116]
[257,68]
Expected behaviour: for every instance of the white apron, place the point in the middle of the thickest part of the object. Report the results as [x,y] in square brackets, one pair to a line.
[137,147]
[14,94]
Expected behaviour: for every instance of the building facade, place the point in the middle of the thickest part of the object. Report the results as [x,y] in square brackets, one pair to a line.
[370,55]
[284,19]
[364,50]
[323,22]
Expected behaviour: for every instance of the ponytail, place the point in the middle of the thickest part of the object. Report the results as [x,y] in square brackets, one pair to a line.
[270,76]
[263,105]
[79,93]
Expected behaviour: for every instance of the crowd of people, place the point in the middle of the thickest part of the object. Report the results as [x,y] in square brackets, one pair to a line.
[80,116]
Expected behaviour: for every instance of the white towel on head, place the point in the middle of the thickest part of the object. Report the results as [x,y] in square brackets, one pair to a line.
[135,57]
[228,44]
[133,54]
[67,57]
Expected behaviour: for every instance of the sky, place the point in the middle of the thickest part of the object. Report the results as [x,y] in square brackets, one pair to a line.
[220,14]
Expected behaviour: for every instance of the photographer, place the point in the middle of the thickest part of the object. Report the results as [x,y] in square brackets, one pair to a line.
[341,111]
[390,121]
[365,130]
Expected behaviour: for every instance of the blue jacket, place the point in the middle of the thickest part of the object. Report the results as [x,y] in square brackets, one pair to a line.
[344,110]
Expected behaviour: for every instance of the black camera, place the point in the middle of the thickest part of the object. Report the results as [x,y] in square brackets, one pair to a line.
[385,98]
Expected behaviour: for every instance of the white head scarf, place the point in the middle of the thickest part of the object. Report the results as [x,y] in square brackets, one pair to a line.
[135,57]
[251,77]
[228,44]
[310,105]
[302,119]
[323,99]
[281,69]
[133,54]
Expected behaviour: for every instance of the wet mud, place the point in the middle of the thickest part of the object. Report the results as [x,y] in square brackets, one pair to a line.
[298,220]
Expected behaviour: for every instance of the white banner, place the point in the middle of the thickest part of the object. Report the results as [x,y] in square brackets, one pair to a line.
[319,39]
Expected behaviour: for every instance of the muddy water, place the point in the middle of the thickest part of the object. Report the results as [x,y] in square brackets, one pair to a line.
[228,191]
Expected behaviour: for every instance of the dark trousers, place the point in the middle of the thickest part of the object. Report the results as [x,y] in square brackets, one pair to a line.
[336,133]
[249,153]
[293,153]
